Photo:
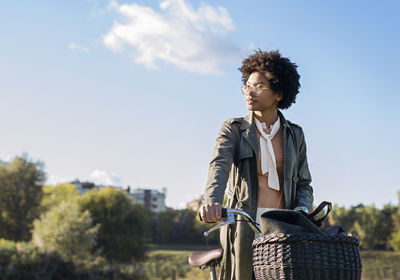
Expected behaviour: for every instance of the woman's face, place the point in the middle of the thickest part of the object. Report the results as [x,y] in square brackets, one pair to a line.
[263,99]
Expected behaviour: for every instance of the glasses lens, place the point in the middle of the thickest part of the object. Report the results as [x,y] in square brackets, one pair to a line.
[244,89]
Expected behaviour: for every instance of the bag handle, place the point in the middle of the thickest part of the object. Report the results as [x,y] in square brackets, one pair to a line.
[313,216]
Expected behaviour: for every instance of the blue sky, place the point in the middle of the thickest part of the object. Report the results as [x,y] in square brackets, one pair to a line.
[134,92]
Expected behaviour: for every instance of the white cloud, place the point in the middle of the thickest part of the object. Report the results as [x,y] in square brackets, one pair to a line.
[194,40]
[101,177]
[76,47]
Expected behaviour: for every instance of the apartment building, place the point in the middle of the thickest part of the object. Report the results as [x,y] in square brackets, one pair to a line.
[150,199]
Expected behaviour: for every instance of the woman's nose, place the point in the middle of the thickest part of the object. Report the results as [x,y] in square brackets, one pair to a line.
[251,92]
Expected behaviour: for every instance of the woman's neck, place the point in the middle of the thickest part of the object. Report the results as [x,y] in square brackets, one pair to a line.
[267,117]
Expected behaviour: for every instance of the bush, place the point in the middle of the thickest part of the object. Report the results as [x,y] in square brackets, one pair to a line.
[380,265]
[181,227]
[22,261]
[67,230]
[371,225]
[54,195]
[164,266]
[124,227]
[21,192]
[25,261]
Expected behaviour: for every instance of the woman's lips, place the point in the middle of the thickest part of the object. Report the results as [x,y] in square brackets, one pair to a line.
[250,101]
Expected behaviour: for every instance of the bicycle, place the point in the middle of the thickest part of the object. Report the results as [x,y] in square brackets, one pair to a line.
[329,254]
[211,258]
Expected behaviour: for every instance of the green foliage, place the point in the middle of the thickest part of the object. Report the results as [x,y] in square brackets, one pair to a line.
[367,225]
[53,195]
[21,192]
[165,266]
[184,226]
[200,228]
[124,227]
[374,226]
[163,230]
[180,226]
[386,226]
[24,261]
[371,225]
[67,230]
[395,237]
[380,265]
[344,217]
[395,240]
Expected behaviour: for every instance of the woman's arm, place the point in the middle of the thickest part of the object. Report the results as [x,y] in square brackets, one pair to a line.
[218,171]
[304,192]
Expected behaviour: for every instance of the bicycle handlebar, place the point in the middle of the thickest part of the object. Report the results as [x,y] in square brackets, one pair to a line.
[224,215]
[230,215]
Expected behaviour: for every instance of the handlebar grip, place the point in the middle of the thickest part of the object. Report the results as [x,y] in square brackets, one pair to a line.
[224,214]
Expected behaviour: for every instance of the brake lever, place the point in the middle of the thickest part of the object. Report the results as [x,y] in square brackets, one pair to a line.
[230,220]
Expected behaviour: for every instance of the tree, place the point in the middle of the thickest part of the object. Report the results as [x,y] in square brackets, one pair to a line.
[21,192]
[371,225]
[386,226]
[124,227]
[345,217]
[200,228]
[54,195]
[395,236]
[367,226]
[181,226]
[163,228]
[68,230]
[374,226]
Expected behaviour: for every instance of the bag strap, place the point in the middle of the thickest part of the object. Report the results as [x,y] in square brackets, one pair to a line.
[313,216]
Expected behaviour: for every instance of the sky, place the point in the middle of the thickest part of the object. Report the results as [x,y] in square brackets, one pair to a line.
[134,92]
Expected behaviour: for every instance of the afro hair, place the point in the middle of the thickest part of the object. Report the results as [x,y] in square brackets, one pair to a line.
[282,74]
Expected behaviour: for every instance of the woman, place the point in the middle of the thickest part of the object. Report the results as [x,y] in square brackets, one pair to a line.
[263,155]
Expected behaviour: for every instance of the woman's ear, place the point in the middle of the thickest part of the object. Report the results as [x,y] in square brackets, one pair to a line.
[278,96]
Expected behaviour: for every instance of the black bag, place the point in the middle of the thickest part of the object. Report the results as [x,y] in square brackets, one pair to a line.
[293,246]
[291,221]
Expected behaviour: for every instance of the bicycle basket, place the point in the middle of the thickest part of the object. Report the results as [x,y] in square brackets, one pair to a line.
[307,256]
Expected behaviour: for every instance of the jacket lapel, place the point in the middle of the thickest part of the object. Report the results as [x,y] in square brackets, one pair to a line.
[249,147]
[249,134]
[287,134]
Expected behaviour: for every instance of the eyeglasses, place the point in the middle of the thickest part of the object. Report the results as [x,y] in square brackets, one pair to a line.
[257,90]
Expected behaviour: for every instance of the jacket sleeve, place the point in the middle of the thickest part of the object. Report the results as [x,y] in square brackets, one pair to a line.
[220,165]
[304,192]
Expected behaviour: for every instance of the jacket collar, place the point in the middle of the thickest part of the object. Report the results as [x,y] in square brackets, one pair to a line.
[249,130]
[249,133]
[284,122]
[248,121]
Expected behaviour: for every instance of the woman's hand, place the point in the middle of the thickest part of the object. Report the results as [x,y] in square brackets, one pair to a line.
[210,213]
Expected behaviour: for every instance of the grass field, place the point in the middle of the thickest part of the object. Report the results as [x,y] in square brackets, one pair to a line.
[382,265]
[178,256]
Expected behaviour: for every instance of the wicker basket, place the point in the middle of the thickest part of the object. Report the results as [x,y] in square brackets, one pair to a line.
[307,256]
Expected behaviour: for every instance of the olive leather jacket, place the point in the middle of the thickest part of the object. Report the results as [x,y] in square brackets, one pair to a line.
[235,158]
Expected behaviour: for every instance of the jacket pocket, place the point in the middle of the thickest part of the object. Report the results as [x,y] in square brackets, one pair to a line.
[245,151]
